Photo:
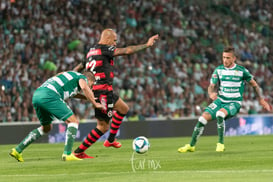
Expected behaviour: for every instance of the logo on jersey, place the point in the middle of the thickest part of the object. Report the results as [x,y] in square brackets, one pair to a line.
[214,76]
[93,52]
[109,114]
[111,48]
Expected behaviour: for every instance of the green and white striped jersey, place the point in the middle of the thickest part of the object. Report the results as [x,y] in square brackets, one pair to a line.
[231,82]
[65,84]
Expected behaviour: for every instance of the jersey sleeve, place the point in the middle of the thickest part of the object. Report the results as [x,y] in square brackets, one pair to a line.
[214,77]
[83,77]
[108,50]
[247,75]
[80,76]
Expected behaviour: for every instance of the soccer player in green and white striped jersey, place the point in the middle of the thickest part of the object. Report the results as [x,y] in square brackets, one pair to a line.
[49,103]
[227,102]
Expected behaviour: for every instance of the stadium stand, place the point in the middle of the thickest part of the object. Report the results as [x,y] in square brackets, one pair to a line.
[42,37]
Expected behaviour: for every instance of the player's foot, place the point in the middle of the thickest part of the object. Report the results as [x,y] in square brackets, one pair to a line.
[70,157]
[114,144]
[186,148]
[18,156]
[220,147]
[82,155]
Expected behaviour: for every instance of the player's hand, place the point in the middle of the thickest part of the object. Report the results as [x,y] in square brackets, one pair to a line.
[213,96]
[152,40]
[265,105]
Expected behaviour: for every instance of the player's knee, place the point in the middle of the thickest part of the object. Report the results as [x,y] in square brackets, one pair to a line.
[202,120]
[103,126]
[124,109]
[121,107]
[220,114]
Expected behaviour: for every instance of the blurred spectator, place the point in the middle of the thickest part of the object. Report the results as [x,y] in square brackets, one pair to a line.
[39,38]
[134,117]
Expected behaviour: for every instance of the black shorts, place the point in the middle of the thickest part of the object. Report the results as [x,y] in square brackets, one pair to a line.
[108,99]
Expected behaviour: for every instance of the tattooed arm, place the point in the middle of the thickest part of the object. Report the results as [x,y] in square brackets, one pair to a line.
[211,91]
[257,89]
[258,93]
[136,48]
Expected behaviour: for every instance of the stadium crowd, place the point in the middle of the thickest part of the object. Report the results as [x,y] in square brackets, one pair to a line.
[42,37]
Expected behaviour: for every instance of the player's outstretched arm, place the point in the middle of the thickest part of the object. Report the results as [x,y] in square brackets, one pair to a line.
[136,48]
[258,93]
[265,105]
[78,68]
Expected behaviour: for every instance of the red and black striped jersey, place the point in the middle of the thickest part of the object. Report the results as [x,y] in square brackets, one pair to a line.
[99,60]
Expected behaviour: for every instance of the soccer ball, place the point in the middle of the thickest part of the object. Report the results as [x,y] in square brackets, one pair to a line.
[141,144]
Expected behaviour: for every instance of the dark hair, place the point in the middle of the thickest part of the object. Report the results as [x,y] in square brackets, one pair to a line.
[229,49]
[89,75]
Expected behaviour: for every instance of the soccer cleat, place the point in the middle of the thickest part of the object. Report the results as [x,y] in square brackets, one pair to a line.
[220,147]
[18,156]
[70,157]
[82,155]
[114,144]
[186,148]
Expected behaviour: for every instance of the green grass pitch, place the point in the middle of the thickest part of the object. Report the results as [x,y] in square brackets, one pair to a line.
[247,158]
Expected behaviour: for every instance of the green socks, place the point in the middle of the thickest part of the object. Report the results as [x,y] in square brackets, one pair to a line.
[71,132]
[31,137]
[220,129]
[197,132]
[199,128]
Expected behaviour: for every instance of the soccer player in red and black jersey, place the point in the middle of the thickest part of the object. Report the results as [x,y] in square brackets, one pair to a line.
[100,61]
